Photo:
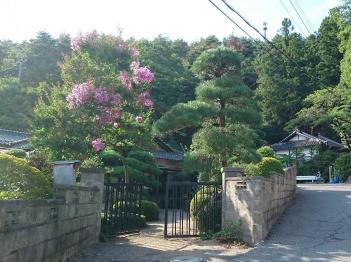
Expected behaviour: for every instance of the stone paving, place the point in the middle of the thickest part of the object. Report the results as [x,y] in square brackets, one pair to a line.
[150,245]
[315,227]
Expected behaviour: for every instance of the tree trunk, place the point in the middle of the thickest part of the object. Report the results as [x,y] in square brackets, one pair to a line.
[222,125]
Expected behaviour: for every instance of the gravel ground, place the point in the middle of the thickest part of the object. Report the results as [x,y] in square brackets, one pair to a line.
[315,227]
[150,245]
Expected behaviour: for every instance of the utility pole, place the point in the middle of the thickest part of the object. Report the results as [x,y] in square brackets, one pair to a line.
[265,29]
[20,70]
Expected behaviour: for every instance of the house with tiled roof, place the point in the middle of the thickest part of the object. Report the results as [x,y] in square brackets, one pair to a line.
[167,158]
[10,139]
[304,144]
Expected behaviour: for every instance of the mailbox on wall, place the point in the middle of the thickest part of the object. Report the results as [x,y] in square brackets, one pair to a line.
[64,172]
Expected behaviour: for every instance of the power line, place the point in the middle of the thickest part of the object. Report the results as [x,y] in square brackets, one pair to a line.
[297,2]
[265,38]
[255,40]
[232,20]
[287,10]
[254,28]
[297,12]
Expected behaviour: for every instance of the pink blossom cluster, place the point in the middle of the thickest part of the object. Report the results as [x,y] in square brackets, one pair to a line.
[120,45]
[76,41]
[144,98]
[134,53]
[97,144]
[140,75]
[139,119]
[101,96]
[108,104]
[124,78]
[80,94]
[107,115]
[143,74]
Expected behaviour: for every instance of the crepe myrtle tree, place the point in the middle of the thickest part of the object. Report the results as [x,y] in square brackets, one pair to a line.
[223,111]
[106,96]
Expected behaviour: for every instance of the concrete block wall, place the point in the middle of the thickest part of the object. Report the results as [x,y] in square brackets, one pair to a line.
[256,201]
[53,229]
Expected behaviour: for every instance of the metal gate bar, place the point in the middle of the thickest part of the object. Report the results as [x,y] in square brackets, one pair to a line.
[122,210]
[192,208]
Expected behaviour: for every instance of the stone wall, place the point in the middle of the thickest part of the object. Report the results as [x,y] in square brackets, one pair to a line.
[54,229]
[256,201]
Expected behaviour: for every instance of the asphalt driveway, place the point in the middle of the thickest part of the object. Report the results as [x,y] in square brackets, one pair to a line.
[315,227]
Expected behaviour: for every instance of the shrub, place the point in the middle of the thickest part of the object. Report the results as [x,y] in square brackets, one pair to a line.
[265,151]
[142,221]
[206,209]
[267,165]
[264,167]
[150,210]
[21,181]
[127,207]
[106,233]
[39,159]
[232,231]
[251,170]
[110,158]
[20,153]
[343,165]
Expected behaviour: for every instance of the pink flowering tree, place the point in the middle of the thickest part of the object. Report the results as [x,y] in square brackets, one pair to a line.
[106,96]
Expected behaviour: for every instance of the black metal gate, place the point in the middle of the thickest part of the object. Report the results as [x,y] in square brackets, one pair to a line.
[192,208]
[122,211]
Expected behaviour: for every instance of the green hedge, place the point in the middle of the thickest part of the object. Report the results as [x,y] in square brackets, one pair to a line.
[264,167]
[269,164]
[265,151]
[150,210]
[343,165]
[206,210]
[20,153]
[19,180]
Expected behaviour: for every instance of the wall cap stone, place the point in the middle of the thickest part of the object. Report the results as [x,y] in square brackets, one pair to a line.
[77,188]
[273,173]
[231,169]
[92,170]
[30,203]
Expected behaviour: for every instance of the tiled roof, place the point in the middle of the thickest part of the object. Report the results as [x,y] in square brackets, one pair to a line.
[13,139]
[330,142]
[310,141]
[177,156]
[294,144]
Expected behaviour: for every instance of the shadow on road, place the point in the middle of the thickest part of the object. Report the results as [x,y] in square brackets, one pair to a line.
[315,227]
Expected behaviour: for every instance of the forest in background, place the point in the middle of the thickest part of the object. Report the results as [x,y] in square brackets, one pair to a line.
[308,87]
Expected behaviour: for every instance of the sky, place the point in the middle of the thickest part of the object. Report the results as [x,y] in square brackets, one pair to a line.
[186,19]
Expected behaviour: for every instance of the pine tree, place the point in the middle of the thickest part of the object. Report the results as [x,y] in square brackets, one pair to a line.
[223,110]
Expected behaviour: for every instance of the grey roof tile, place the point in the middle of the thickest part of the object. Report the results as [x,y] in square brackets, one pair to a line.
[13,139]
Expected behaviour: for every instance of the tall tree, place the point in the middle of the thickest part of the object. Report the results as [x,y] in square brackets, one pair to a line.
[42,58]
[332,105]
[17,102]
[284,80]
[223,111]
[248,49]
[104,102]
[197,47]
[327,49]
[174,82]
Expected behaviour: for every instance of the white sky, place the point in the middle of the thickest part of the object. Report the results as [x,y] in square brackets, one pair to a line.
[187,19]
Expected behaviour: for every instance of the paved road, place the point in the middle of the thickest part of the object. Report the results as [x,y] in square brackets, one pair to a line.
[316,227]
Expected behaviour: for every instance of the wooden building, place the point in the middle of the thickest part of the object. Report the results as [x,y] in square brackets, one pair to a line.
[304,145]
